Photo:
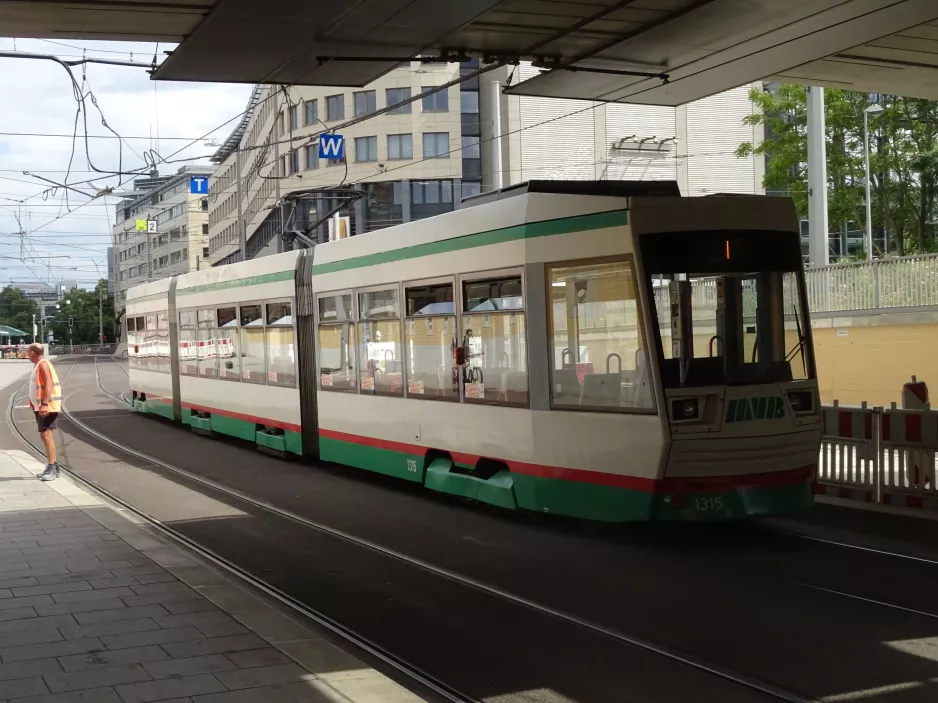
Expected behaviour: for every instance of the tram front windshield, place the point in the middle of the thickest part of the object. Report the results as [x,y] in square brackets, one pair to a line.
[730,307]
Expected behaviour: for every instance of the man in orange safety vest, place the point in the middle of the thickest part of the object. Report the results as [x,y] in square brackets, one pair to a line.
[45,399]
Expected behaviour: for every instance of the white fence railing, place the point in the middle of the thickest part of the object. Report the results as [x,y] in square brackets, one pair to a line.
[910,281]
[880,455]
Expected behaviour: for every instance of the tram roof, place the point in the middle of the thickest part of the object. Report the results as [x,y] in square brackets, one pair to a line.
[612,189]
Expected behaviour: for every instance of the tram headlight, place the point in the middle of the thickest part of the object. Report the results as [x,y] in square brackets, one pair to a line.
[801,402]
[685,409]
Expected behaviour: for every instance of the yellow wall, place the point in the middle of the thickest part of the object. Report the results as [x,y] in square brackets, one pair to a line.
[857,363]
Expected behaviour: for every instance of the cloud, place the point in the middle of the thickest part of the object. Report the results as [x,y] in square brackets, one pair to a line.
[39,100]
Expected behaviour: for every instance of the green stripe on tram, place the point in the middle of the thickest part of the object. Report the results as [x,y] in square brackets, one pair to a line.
[565,225]
[260,279]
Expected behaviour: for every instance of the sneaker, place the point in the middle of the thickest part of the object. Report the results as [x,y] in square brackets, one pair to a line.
[50,474]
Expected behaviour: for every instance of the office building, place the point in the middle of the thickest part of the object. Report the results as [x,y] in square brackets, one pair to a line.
[175,244]
[422,158]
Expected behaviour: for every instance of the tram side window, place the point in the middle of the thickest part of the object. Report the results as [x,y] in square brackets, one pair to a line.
[208,357]
[141,341]
[227,344]
[599,358]
[188,343]
[336,343]
[131,341]
[429,340]
[494,342]
[253,368]
[281,345]
[152,345]
[379,339]
[163,355]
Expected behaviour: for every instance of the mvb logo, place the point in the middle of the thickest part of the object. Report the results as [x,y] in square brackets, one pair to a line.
[747,409]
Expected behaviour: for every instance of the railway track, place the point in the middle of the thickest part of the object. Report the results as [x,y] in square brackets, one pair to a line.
[765,690]
[768,690]
[421,682]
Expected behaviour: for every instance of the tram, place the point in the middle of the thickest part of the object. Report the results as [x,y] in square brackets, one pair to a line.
[604,350]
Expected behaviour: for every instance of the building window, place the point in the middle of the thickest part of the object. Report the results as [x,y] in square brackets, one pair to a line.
[400,146]
[311,113]
[294,161]
[383,205]
[312,157]
[335,162]
[366,149]
[469,102]
[294,117]
[470,188]
[470,148]
[436,102]
[435,145]
[429,198]
[205,205]
[366,102]
[396,95]
[335,107]
[204,229]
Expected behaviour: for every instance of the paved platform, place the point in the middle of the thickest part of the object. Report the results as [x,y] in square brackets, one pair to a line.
[98,607]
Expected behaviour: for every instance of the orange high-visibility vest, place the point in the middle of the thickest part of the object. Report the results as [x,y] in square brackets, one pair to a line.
[55,402]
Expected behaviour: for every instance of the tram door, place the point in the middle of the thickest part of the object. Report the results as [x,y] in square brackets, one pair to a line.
[306,353]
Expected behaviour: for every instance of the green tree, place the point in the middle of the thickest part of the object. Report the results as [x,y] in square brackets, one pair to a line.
[16,310]
[82,307]
[903,159]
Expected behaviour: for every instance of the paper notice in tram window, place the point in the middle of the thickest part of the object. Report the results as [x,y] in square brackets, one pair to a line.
[475,390]
[368,383]
[326,380]
[272,377]
[416,387]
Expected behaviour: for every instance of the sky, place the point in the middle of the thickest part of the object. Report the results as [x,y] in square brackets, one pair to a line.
[66,233]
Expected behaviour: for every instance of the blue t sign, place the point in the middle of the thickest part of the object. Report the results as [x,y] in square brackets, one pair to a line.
[331,146]
[198,185]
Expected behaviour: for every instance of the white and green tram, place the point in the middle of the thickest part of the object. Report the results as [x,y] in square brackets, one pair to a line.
[604,350]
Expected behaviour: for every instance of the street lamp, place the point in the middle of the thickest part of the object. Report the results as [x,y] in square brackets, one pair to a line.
[873,110]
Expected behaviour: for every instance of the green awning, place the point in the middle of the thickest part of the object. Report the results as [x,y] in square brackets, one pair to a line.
[7,331]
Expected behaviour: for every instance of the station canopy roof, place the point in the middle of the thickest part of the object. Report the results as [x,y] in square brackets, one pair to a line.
[703,46]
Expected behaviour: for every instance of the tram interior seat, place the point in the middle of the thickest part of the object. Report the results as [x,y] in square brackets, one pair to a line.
[601,389]
[567,386]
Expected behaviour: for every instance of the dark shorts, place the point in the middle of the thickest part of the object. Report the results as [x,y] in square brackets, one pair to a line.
[46,422]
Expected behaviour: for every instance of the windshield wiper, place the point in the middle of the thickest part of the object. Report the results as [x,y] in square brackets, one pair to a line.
[800,345]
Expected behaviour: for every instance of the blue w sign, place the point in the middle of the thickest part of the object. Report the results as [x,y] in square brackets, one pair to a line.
[331,146]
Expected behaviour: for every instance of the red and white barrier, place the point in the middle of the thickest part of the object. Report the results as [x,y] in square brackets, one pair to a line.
[847,423]
[877,455]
